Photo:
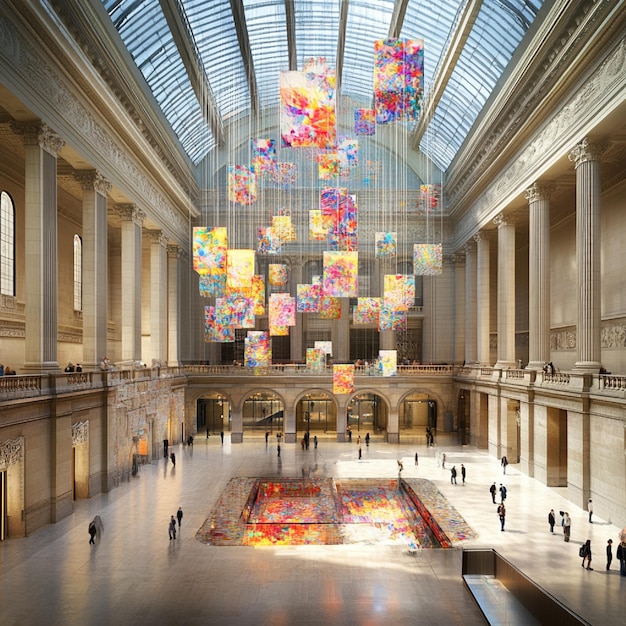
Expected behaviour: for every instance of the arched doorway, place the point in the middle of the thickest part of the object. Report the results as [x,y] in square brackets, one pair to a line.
[316,411]
[367,412]
[263,411]
[212,414]
[417,415]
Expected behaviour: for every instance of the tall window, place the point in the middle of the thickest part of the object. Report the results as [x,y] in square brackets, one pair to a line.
[78,273]
[7,245]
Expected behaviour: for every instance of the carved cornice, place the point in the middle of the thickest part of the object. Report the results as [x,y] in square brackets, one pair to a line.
[80,433]
[11,452]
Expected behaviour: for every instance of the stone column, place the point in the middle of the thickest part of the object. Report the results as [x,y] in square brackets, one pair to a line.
[95,262]
[393,428]
[158,296]
[173,339]
[482,298]
[132,219]
[506,292]
[471,323]
[41,147]
[460,299]
[538,197]
[586,157]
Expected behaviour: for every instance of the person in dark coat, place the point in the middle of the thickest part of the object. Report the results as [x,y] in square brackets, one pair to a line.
[586,550]
[173,459]
[502,493]
[463,472]
[501,515]
[551,520]
[172,528]
[453,475]
[179,516]
[621,557]
[492,491]
[92,531]
[609,553]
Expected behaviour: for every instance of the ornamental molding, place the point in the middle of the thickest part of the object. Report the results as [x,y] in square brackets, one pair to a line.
[173,251]
[539,191]
[156,237]
[80,433]
[93,181]
[586,151]
[11,452]
[38,134]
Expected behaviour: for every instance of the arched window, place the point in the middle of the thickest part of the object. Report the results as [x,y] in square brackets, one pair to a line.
[7,245]
[78,273]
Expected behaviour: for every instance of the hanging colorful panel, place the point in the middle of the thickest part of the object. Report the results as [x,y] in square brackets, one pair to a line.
[388,362]
[364,121]
[343,379]
[345,235]
[213,285]
[366,311]
[330,308]
[427,259]
[341,274]
[348,152]
[283,227]
[257,293]
[398,79]
[239,268]
[308,298]
[215,329]
[268,242]
[391,319]
[399,291]
[318,229]
[385,245]
[278,274]
[285,175]
[241,184]
[209,250]
[257,349]
[263,155]
[327,165]
[307,106]
[429,198]
[326,346]
[315,359]
[282,310]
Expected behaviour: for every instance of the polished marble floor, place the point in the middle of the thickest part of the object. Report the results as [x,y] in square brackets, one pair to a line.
[136,575]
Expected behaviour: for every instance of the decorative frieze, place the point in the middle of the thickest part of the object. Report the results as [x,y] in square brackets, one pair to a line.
[11,452]
[563,339]
[80,433]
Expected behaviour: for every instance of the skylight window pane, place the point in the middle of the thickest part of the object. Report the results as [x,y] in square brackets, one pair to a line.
[317,25]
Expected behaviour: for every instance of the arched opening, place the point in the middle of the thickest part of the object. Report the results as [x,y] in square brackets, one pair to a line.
[317,412]
[418,415]
[263,411]
[463,412]
[213,414]
[367,412]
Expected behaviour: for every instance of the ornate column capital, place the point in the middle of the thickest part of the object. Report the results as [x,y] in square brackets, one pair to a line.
[38,134]
[539,191]
[130,213]
[503,220]
[157,237]
[173,251]
[588,151]
[90,180]
[482,235]
[469,247]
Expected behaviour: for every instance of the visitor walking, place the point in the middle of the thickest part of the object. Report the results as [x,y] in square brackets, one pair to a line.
[173,459]
[585,552]
[463,472]
[621,557]
[222,437]
[360,453]
[502,493]
[179,516]
[567,526]
[92,531]
[492,491]
[172,528]
[416,459]
[590,510]
[453,475]
[501,515]
[609,553]
[504,462]
[278,448]
[443,460]
[551,520]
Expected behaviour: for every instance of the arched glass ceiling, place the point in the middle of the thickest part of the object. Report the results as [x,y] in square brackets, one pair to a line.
[269,38]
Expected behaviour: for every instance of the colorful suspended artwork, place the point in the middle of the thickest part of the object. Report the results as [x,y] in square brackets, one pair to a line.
[268,242]
[327,165]
[318,230]
[308,298]
[385,245]
[284,175]
[339,214]
[366,311]
[391,319]
[278,274]
[340,274]
[257,293]
[348,152]
[388,362]
[239,268]
[282,310]
[326,346]
[213,285]
[241,184]
[257,349]
[427,259]
[398,79]
[263,155]
[214,329]
[343,379]
[429,198]
[364,121]
[209,250]
[399,291]
[283,228]
[315,359]
[234,311]
[307,106]
[330,308]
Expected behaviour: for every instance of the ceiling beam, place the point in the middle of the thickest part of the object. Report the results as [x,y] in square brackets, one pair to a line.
[456,43]
[239,16]
[290,18]
[190,55]
[397,18]
[341,41]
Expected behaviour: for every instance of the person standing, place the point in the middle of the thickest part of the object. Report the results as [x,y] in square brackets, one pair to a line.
[92,531]
[502,493]
[492,491]
[359,453]
[501,515]
[443,460]
[416,459]
[504,462]
[463,472]
[567,526]
[222,437]
[179,516]
[278,448]
[173,459]
[621,557]
[609,553]
[551,520]
[585,551]
[453,475]
[590,510]
[315,441]
[172,528]
[267,436]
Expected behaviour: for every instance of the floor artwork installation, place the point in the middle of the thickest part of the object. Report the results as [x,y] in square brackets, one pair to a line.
[327,511]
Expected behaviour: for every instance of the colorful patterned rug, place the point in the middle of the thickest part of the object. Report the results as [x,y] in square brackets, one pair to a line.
[411,512]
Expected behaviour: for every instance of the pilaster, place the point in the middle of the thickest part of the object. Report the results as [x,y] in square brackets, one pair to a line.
[158,296]
[483,294]
[506,291]
[471,323]
[173,299]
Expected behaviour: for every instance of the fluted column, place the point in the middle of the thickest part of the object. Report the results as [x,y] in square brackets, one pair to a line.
[41,147]
[506,291]
[158,296]
[482,297]
[538,197]
[95,262]
[471,324]
[586,157]
[458,266]
[132,219]
[173,339]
